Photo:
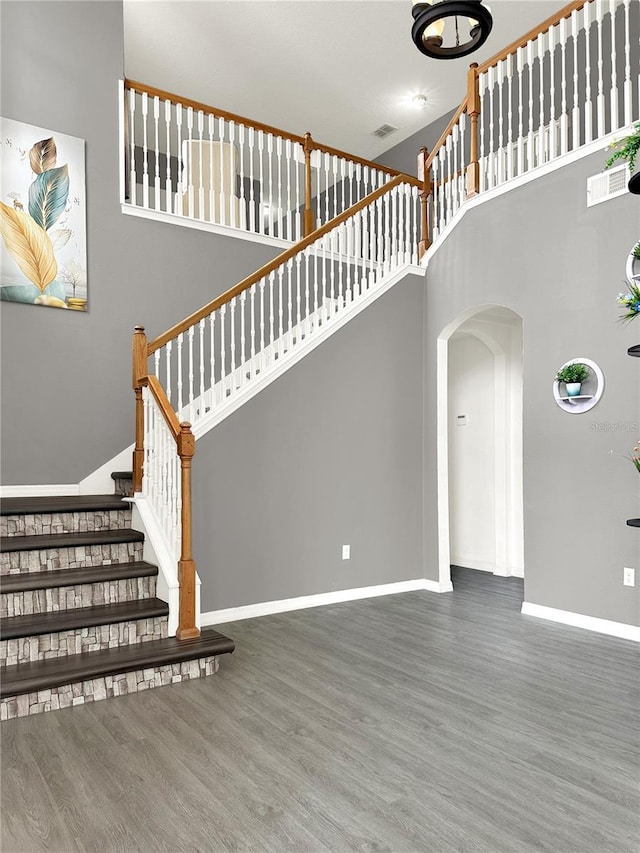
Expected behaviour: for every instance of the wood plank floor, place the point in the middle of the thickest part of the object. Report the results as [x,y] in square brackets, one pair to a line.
[420,723]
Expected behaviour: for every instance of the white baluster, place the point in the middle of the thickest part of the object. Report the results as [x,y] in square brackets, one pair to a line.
[588,106]
[520,64]
[541,122]
[262,324]
[564,116]
[156,182]
[167,351]
[132,148]
[575,112]
[252,297]
[223,352]
[270,165]
[201,330]
[232,177]
[492,160]
[212,198]
[462,183]
[243,336]
[553,124]
[501,151]
[179,340]
[190,188]
[289,164]
[261,180]
[243,202]
[200,164]
[168,189]
[279,210]
[212,356]
[600,99]
[272,279]
[510,139]
[530,133]
[614,71]
[297,154]
[628,107]
[252,200]
[482,155]
[222,214]
[414,242]
[190,334]
[289,336]
[180,188]
[232,344]
[145,150]
[298,291]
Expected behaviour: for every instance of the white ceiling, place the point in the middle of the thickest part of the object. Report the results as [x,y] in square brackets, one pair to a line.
[338,68]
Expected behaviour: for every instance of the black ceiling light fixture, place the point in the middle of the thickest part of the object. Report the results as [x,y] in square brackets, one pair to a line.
[450,28]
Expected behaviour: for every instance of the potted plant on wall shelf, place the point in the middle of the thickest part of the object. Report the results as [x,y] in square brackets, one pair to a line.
[627,149]
[573,375]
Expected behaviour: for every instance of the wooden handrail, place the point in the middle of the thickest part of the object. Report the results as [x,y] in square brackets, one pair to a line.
[282,258]
[445,133]
[533,33]
[162,401]
[249,122]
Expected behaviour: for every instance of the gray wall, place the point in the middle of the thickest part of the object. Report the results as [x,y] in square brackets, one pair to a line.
[328,455]
[541,252]
[66,401]
[403,156]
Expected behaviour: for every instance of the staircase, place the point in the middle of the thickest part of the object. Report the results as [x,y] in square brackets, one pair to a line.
[80,616]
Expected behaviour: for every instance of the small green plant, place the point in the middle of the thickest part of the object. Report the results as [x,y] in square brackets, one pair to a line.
[635,458]
[572,373]
[627,149]
[630,301]
[636,251]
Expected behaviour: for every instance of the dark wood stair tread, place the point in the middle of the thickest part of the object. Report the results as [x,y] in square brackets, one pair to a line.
[122,475]
[61,503]
[25,581]
[70,540]
[33,624]
[633,522]
[44,675]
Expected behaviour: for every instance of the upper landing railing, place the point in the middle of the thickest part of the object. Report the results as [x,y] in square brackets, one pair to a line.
[197,161]
[570,81]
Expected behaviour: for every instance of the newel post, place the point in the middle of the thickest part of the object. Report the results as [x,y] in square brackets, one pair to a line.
[186,565]
[473,111]
[424,175]
[308,212]
[139,379]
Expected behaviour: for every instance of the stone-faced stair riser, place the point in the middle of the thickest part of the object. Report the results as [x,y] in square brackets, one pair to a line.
[81,595]
[92,639]
[122,486]
[50,559]
[64,522]
[104,687]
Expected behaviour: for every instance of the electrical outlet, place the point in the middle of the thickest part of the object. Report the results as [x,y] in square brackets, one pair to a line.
[346,552]
[629,576]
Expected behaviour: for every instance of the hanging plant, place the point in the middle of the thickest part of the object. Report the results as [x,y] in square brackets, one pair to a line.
[626,149]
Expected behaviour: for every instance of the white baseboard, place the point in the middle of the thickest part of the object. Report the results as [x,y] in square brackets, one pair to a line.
[302,602]
[38,491]
[578,620]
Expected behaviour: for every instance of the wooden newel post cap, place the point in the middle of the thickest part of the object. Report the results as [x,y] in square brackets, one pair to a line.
[186,440]
[139,329]
[473,65]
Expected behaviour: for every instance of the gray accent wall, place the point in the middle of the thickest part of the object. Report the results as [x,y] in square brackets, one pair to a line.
[541,252]
[328,455]
[404,155]
[67,404]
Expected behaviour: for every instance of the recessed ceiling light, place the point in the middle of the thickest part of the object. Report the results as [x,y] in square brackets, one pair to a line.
[419,102]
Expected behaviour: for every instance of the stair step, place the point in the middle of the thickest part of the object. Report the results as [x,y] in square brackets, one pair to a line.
[61,503]
[69,540]
[122,475]
[44,675]
[27,581]
[33,624]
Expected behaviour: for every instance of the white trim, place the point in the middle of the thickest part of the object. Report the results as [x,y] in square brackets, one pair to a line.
[302,602]
[202,225]
[38,491]
[579,620]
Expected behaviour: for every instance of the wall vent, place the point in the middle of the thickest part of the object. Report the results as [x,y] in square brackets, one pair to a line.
[384,130]
[608,184]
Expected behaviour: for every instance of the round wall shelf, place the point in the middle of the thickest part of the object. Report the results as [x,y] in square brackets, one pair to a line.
[590,393]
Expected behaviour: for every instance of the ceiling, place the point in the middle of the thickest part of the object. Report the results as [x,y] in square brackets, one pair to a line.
[337,68]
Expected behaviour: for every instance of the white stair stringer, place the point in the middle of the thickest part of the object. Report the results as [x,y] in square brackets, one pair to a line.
[255,374]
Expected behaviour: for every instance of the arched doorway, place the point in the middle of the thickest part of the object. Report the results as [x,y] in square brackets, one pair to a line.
[480,502]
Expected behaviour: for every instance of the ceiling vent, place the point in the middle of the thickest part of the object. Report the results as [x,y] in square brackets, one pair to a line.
[608,184]
[384,130]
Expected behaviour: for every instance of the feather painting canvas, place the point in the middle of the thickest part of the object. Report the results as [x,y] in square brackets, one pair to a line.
[43,255]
